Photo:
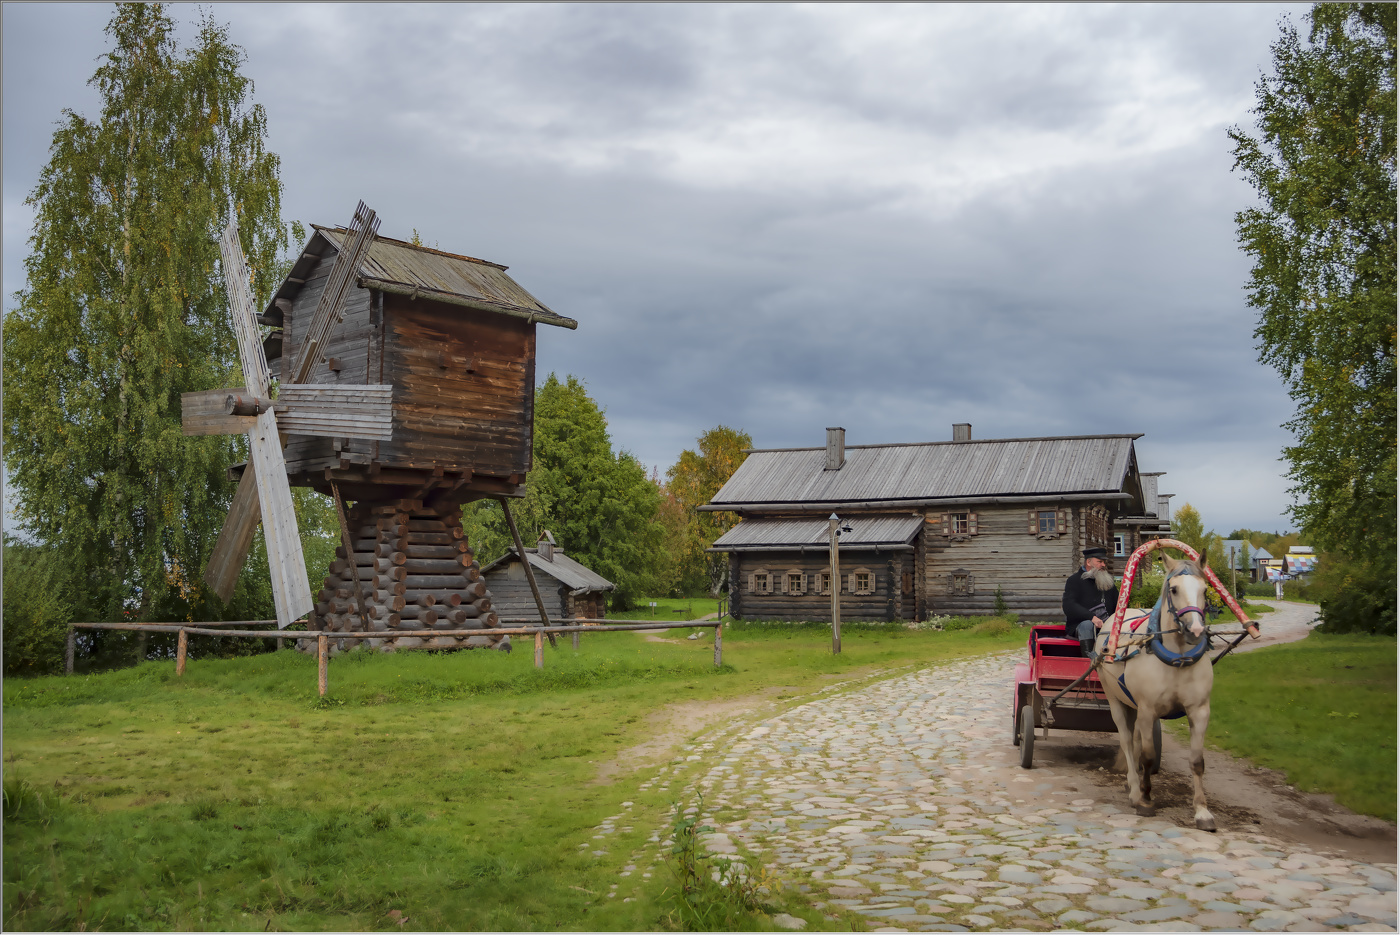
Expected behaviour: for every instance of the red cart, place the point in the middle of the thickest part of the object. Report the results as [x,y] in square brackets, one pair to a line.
[1056,688]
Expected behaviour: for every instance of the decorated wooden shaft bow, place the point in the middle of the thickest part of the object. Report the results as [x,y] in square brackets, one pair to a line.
[1130,573]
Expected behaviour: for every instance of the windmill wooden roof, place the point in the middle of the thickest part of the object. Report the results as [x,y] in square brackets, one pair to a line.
[403,268]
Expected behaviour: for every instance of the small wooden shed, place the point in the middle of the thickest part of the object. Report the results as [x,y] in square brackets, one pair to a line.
[569,588]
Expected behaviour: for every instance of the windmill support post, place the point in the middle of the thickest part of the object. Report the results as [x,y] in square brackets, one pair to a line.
[525,562]
[349,544]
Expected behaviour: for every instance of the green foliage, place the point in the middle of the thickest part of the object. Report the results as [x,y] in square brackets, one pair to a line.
[36,608]
[999,605]
[692,481]
[122,311]
[1323,243]
[1356,596]
[599,505]
[712,892]
[1329,720]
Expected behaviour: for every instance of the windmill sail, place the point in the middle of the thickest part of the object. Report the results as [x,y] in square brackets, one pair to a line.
[328,310]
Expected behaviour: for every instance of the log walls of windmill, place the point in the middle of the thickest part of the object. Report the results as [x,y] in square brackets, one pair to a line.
[464,381]
[349,357]
[788,585]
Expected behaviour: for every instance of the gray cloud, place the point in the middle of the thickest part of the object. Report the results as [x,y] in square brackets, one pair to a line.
[782,218]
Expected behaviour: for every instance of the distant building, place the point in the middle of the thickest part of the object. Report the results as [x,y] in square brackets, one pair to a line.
[568,588]
[935,527]
[1235,547]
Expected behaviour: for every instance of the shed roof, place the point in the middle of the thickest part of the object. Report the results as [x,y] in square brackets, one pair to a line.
[403,268]
[562,568]
[867,533]
[1076,464]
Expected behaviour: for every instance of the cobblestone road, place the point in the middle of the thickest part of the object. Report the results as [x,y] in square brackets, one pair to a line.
[902,801]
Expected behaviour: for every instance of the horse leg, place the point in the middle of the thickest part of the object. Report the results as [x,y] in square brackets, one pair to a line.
[1142,737]
[1198,718]
[1126,720]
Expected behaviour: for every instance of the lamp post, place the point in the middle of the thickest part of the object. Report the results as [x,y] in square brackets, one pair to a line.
[834,529]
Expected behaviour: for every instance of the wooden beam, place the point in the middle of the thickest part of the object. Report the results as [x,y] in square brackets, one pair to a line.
[290,591]
[206,413]
[343,411]
[350,550]
[525,562]
[235,539]
[245,317]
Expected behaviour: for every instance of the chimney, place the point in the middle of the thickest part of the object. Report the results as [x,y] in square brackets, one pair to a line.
[962,431]
[545,547]
[835,448]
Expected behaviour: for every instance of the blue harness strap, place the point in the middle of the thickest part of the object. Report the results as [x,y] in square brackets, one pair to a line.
[1154,626]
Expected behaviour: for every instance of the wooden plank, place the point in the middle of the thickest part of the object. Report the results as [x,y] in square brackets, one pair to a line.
[290,591]
[350,411]
[236,538]
[203,413]
[241,311]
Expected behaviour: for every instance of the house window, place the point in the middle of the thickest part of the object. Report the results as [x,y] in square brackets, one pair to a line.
[760,582]
[863,582]
[907,582]
[958,523]
[1048,522]
[826,582]
[959,584]
[794,583]
[1119,546]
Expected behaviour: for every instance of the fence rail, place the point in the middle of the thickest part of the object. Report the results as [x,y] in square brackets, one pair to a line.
[323,637]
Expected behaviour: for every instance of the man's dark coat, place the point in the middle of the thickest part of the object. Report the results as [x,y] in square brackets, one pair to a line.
[1082,596]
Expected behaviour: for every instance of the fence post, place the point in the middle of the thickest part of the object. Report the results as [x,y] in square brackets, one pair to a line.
[68,650]
[539,649]
[575,639]
[182,644]
[322,664]
[719,644]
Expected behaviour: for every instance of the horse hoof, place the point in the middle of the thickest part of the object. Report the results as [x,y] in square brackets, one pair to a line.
[1147,811]
[1205,824]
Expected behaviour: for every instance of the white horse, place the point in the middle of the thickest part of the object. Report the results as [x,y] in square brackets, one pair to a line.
[1162,677]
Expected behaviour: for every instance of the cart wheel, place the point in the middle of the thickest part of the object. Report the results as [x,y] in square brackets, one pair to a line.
[1015,728]
[1156,746]
[1027,736]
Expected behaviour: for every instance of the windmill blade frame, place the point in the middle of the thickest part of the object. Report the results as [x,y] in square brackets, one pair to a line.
[360,235]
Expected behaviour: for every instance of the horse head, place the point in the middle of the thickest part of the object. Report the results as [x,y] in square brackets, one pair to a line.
[1184,592]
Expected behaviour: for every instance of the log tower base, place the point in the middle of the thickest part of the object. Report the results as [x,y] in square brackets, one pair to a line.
[415,571]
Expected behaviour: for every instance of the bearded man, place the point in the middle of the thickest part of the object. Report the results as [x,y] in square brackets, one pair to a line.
[1091,597]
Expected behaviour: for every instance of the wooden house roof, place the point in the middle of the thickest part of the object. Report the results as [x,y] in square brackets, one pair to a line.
[908,474]
[402,268]
[561,568]
[867,533]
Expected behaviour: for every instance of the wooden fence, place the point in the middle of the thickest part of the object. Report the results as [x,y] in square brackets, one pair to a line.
[323,637]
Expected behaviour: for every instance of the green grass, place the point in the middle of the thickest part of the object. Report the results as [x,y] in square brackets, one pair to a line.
[669,608]
[1322,710]
[453,790]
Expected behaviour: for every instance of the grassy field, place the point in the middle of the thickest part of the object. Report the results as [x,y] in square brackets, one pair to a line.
[669,608]
[428,792]
[1322,710]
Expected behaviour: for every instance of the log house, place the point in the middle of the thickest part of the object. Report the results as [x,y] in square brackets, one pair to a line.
[936,528]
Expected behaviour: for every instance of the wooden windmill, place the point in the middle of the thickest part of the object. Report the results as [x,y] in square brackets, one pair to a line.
[407,386]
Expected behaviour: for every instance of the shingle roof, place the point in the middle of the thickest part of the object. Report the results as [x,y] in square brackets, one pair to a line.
[562,568]
[934,470]
[867,532]
[410,269]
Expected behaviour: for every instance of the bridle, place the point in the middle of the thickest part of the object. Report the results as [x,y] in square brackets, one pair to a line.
[1154,627]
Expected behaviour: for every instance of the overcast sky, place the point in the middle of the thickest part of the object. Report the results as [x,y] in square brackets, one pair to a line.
[779,218]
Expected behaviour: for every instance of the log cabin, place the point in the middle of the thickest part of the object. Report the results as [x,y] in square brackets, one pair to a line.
[569,588]
[934,528]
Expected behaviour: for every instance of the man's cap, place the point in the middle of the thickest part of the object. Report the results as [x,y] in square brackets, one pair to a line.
[1096,553]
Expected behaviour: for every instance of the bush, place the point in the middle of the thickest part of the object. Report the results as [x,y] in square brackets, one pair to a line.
[1355,597]
[1259,589]
[36,611]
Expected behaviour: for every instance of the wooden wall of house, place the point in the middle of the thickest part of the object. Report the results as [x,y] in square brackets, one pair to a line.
[1029,568]
[892,597]
[512,598]
[444,415]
